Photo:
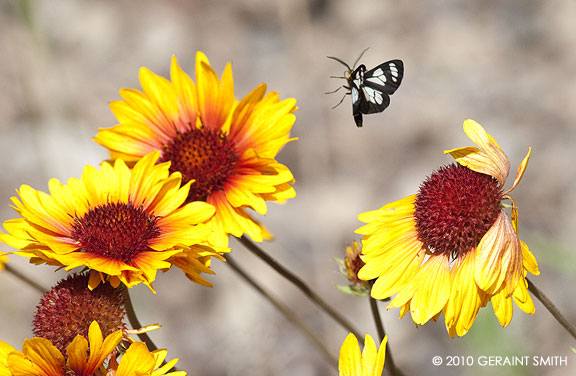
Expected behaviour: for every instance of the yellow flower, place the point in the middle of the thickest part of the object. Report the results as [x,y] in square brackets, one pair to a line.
[349,268]
[84,358]
[452,248]
[227,147]
[123,224]
[139,361]
[369,363]
[3,260]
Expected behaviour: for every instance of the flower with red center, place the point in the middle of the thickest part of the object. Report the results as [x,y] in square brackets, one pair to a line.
[124,224]
[452,248]
[227,147]
[69,308]
[92,355]
[368,363]
[349,268]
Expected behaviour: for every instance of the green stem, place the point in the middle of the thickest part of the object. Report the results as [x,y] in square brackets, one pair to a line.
[296,281]
[25,279]
[287,312]
[551,308]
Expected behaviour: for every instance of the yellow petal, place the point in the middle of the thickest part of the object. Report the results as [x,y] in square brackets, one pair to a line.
[350,358]
[369,359]
[523,299]
[381,357]
[137,360]
[520,171]
[77,352]
[491,160]
[43,355]
[499,261]
[433,289]
[528,259]
[502,305]
[465,297]
[187,98]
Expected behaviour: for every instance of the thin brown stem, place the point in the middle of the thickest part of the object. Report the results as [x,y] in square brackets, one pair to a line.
[296,281]
[389,364]
[287,312]
[377,320]
[133,319]
[551,308]
[24,278]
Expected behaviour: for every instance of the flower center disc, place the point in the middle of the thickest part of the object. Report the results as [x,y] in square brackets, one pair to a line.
[454,208]
[116,230]
[69,307]
[204,155]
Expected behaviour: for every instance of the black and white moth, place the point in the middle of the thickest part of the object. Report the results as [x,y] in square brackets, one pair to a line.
[370,90]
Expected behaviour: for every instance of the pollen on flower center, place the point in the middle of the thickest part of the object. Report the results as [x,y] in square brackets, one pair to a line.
[454,208]
[116,230]
[204,155]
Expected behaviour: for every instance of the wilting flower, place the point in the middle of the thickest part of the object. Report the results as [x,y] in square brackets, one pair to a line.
[122,224]
[70,307]
[368,363]
[227,147]
[452,248]
[349,268]
[94,356]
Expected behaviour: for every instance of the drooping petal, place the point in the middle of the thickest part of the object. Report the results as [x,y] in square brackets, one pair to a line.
[503,307]
[466,298]
[528,259]
[427,291]
[499,261]
[523,299]
[520,171]
[491,160]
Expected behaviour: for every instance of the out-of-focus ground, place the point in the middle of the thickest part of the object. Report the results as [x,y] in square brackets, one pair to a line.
[510,65]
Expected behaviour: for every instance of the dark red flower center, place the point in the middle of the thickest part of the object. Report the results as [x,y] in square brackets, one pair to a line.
[205,155]
[455,207]
[353,262]
[116,230]
[69,308]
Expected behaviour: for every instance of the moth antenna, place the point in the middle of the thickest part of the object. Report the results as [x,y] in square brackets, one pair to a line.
[340,61]
[360,57]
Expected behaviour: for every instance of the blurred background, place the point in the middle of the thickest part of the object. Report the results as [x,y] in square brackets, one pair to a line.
[509,65]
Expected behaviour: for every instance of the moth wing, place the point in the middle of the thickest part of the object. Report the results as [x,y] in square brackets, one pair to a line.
[386,77]
[373,100]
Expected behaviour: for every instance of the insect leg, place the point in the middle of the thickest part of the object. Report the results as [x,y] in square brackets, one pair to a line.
[341,100]
[334,91]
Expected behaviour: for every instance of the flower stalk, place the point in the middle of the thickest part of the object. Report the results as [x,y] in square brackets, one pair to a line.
[24,278]
[133,319]
[551,308]
[285,310]
[389,365]
[299,283]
